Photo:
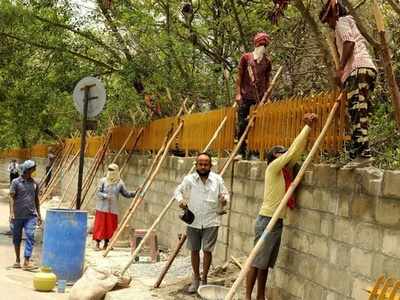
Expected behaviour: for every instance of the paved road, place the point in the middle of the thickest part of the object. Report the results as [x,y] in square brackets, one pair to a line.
[16,284]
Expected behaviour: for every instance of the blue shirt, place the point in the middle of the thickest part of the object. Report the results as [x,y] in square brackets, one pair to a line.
[25,191]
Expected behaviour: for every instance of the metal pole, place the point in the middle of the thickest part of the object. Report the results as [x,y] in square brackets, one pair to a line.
[83,144]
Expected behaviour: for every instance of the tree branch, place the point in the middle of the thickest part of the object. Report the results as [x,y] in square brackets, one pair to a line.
[394,5]
[115,30]
[84,34]
[61,49]
[319,38]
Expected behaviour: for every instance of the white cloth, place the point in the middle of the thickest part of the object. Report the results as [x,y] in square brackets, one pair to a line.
[203,199]
[113,176]
[259,53]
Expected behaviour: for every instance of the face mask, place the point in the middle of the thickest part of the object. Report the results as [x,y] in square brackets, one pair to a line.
[258,53]
[33,174]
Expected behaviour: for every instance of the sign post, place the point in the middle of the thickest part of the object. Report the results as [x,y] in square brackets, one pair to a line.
[89,99]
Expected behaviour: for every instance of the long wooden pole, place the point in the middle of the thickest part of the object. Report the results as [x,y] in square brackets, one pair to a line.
[228,222]
[56,178]
[284,201]
[387,64]
[123,145]
[182,239]
[142,191]
[64,157]
[140,133]
[230,159]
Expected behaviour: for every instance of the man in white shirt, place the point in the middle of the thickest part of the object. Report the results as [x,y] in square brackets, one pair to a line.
[203,193]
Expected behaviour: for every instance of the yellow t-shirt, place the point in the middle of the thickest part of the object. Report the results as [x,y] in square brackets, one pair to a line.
[274,189]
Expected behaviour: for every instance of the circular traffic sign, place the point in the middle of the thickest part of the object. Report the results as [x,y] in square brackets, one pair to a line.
[97,96]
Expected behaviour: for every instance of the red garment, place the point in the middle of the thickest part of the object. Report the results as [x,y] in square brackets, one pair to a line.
[105,223]
[261,71]
[287,174]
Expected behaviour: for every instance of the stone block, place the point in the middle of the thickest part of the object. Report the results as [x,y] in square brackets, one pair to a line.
[339,281]
[343,202]
[238,187]
[308,178]
[368,236]
[346,180]
[324,200]
[312,291]
[343,230]
[391,186]
[249,187]
[339,254]
[391,267]
[324,176]
[259,190]
[305,198]
[359,289]
[363,207]
[309,220]
[391,243]
[326,224]
[242,169]
[295,285]
[257,170]
[361,261]
[387,211]
[371,180]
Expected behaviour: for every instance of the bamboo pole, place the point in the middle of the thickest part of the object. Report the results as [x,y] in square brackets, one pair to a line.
[142,191]
[123,145]
[284,201]
[65,154]
[228,222]
[182,239]
[232,155]
[56,177]
[386,57]
[141,130]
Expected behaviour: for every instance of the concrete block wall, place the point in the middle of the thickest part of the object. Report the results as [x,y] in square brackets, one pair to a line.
[344,234]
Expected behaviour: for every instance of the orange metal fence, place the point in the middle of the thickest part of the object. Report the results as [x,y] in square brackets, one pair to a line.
[277,123]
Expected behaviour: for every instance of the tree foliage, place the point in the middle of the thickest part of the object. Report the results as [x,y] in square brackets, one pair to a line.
[143,47]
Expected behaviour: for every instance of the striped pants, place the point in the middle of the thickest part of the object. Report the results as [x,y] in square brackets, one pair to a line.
[358,87]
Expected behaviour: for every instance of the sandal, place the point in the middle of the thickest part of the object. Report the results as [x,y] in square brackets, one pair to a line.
[29,267]
[16,266]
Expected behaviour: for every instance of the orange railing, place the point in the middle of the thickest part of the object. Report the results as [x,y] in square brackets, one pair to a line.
[277,123]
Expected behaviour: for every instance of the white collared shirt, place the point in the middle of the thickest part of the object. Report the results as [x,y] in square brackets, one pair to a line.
[203,198]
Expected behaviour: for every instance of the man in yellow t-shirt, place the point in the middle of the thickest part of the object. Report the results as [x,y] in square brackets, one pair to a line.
[275,188]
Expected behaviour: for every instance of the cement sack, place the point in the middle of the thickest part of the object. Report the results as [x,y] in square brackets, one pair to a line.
[93,285]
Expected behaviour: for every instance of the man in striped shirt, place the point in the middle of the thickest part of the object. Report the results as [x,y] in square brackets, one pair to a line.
[356,75]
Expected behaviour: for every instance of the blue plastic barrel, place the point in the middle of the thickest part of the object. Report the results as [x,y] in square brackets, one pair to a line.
[64,241]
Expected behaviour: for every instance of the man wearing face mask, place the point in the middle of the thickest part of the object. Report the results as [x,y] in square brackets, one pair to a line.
[204,194]
[106,218]
[252,82]
[25,213]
